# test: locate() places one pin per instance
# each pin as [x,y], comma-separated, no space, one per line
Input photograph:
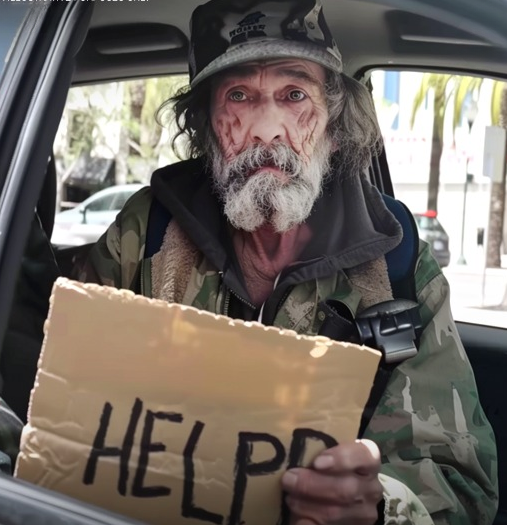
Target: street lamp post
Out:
[470,115]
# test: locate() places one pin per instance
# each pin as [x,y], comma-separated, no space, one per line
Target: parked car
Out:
[431,231]
[88,220]
[47,47]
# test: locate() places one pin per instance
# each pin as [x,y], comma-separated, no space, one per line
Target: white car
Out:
[89,220]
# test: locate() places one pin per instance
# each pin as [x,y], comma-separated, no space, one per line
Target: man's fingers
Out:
[361,457]
[341,490]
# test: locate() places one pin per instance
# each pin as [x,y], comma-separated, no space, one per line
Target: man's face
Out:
[270,149]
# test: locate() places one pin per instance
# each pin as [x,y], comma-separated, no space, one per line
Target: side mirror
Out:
[83,211]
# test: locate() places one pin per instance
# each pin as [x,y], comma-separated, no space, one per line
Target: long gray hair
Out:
[352,125]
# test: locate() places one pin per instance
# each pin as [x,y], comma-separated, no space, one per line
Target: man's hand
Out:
[342,487]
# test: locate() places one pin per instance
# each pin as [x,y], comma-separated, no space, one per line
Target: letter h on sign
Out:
[99,449]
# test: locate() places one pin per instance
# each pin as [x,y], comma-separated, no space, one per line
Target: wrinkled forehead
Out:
[303,71]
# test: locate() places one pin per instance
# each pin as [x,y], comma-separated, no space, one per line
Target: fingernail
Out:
[323,462]
[289,479]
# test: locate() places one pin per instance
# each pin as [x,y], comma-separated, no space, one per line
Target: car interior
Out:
[81,43]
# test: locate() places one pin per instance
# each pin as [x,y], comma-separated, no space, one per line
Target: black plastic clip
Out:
[393,327]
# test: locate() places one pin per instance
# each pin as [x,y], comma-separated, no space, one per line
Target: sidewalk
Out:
[478,294]
[474,268]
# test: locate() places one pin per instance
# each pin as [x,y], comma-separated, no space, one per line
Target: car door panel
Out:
[486,348]
[22,503]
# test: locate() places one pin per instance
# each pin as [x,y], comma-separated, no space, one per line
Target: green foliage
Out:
[145,134]
[436,84]
[466,87]
[81,130]
[158,90]
[119,120]
[497,119]
[82,126]
[462,88]
[443,87]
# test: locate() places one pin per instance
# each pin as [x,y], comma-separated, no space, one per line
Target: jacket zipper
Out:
[227,301]
[227,298]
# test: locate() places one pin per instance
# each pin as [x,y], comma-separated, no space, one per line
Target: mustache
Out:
[259,156]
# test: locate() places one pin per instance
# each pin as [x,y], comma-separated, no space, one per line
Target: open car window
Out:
[445,146]
[106,148]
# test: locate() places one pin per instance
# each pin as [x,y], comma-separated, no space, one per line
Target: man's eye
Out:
[237,96]
[296,95]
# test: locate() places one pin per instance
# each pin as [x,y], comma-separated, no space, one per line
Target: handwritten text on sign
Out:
[244,466]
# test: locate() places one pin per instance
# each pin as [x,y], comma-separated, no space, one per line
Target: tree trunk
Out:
[497,205]
[121,158]
[496,212]
[436,153]
[137,93]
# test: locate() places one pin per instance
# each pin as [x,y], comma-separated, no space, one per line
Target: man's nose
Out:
[268,124]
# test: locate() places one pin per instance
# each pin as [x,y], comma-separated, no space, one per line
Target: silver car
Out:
[89,220]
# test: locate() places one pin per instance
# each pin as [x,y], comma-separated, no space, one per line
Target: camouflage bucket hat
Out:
[226,33]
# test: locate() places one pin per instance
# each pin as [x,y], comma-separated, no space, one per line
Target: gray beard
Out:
[253,200]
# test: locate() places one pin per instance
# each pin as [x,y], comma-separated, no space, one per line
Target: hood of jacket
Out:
[349,221]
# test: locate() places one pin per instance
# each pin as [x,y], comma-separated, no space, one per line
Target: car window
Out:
[120,199]
[428,223]
[109,135]
[101,204]
[445,148]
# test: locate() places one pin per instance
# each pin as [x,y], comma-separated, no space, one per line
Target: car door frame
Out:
[35,83]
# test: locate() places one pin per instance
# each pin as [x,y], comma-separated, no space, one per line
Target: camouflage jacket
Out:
[438,450]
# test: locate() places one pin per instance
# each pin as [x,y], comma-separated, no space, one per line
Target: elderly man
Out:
[270,217]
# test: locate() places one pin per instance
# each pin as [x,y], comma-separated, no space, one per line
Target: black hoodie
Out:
[349,221]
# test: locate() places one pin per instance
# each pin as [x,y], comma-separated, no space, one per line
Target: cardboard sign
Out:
[173,415]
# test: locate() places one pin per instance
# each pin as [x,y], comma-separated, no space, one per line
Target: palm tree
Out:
[437,85]
[442,87]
